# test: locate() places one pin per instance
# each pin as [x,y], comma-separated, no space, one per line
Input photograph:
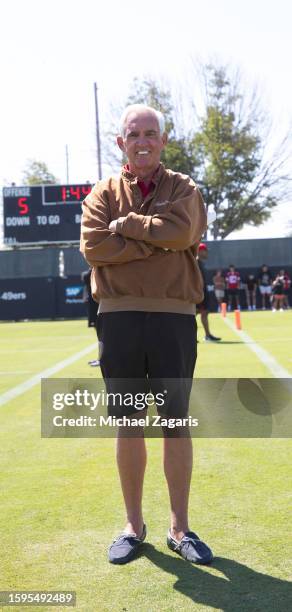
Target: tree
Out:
[231,168]
[226,151]
[37,173]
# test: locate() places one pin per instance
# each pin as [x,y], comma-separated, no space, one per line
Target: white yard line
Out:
[35,380]
[266,358]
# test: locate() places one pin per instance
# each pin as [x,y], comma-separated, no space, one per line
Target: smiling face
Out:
[142,143]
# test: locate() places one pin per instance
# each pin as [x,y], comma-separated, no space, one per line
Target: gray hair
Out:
[136,108]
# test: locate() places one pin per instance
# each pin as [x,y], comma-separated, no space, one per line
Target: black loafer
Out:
[125,546]
[191,548]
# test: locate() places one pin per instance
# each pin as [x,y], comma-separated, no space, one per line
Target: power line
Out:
[97,132]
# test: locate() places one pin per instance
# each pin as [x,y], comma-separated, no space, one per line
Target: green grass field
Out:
[61,502]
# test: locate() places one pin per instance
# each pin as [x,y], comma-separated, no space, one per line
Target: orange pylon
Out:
[223,309]
[237,319]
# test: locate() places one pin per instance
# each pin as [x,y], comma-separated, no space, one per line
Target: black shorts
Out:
[204,304]
[142,352]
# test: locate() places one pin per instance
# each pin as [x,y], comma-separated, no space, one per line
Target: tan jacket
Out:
[150,264]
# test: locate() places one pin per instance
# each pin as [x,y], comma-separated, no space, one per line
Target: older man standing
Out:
[139,233]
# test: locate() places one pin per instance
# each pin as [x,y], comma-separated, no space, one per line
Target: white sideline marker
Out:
[34,380]
[266,358]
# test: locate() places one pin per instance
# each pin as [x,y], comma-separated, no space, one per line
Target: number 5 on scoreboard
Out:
[23,206]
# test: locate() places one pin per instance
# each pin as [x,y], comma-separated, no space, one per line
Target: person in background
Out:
[203,307]
[250,291]
[278,292]
[232,280]
[265,285]
[287,285]
[92,307]
[219,288]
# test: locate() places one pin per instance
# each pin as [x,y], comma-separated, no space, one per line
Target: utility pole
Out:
[67,165]
[97,132]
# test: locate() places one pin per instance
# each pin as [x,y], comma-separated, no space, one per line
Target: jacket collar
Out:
[131,178]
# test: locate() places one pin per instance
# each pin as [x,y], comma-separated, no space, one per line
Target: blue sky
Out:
[52,52]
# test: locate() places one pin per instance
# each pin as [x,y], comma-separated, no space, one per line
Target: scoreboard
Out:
[43,213]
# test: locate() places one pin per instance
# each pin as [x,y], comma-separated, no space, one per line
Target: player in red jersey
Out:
[232,280]
[287,285]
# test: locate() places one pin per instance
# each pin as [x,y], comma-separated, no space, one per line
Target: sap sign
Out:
[74,294]
[41,298]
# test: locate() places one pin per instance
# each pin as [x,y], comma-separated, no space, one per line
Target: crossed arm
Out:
[135,236]
[99,245]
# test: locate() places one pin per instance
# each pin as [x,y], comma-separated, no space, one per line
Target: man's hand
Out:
[113,225]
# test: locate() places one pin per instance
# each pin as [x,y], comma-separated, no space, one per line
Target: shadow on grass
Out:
[230,342]
[225,342]
[239,589]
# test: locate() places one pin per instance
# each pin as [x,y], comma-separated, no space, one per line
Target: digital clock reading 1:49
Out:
[43,213]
